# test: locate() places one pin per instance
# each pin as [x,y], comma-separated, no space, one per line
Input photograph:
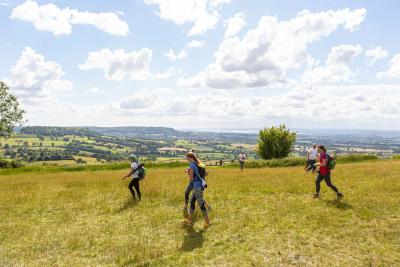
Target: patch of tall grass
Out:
[92,167]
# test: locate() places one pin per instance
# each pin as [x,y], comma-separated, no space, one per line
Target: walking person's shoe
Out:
[340,196]
[316,195]
[187,222]
[206,225]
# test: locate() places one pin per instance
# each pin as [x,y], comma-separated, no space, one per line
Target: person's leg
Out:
[202,203]
[307,165]
[318,181]
[136,185]
[328,182]
[192,208]
[130,186]
[189,188]
[313,167]
[241,165]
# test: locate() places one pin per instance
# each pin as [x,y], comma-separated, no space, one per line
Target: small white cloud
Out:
[376,54]
[203,14]
[94,91]
[33,75]
[166,74]
[119,65]
[173,56]
[137,102]
[59,21]
[393,72]
[337,66]
[234,25]
[195,44]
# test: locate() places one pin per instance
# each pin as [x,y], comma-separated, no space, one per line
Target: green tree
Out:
[10,112]
[275,142]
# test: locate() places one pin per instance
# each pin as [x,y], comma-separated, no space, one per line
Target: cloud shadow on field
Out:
[192,239]
[128,204]
[338,204]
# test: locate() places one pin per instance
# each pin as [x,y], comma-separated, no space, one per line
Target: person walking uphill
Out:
[312,158]
[197,195]
[138,172]
[242,159]
[324,173]
[203,173]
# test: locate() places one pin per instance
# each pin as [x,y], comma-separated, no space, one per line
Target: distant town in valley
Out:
[89,145]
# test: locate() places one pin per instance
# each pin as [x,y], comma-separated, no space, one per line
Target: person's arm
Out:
[323,164]
[129,174]
[191,173]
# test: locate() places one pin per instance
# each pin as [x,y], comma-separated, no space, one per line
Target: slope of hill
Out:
[261,217]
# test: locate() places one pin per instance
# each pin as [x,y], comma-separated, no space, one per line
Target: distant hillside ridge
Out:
[58,131]
[137,131]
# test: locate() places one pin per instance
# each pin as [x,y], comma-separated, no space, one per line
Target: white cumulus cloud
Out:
[173,56]
[266,53]
[203,14]
[234,25]
[393,71]
[34,75]
[376,54]
[337,66]
[119,65]
[59,21]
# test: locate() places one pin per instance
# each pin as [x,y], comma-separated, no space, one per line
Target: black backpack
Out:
[141,171]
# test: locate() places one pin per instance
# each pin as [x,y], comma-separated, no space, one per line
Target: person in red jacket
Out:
[324,173]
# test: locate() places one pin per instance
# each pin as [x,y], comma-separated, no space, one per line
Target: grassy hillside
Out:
[261,217]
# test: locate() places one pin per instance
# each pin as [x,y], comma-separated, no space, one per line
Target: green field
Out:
[261,217]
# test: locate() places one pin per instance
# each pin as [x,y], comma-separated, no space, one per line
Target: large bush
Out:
[275,142]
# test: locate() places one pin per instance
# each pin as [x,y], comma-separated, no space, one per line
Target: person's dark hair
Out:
[322,147]
[193,156]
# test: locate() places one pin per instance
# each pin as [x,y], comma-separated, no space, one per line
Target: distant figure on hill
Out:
[312,158]
[324,173]
[242,159]
[198,185]
[137,171]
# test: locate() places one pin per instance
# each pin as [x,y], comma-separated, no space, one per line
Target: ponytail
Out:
[193,156]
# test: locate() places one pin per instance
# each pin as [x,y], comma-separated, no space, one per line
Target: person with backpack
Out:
[242,159]
[203,173]
[312,159]
[138,172]
[198,185]
[325,164]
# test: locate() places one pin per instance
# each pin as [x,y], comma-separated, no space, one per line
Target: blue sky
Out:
[203,64]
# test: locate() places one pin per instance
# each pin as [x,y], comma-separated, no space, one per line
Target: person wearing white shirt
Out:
[135,178]
[312,158]
[242,159]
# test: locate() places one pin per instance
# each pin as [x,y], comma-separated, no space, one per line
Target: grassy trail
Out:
[261,217]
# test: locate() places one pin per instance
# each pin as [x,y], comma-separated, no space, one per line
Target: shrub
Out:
[275,142]
[5,163]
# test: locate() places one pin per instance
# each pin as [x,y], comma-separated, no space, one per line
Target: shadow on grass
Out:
[193,239]
[338,204]
[128,204]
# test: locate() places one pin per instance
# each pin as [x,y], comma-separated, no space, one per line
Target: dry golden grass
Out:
[261,217]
